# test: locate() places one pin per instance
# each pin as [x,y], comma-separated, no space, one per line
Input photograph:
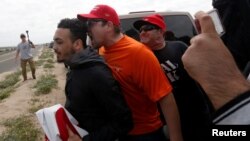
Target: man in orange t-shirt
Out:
[139,73]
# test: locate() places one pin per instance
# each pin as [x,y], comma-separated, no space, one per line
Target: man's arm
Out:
[210,63]
[171,115]
[31,44]
[17,53]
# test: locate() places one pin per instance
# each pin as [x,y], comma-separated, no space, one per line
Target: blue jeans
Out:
[157,135]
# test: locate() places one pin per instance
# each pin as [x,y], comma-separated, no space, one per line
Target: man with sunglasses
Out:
[191,101]
[93,96]
[24,49]
[142,81]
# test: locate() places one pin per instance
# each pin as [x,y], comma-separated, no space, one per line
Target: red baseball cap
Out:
[155,19]
[101,12]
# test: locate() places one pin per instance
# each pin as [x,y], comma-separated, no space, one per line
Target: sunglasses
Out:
[148,27]
[92,22]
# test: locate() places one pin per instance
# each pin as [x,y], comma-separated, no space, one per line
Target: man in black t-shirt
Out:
[194,106]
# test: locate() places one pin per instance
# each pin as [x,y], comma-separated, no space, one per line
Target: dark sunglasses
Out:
[148,27]
[92,22]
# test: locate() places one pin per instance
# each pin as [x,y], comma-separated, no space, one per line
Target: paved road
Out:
[7,61]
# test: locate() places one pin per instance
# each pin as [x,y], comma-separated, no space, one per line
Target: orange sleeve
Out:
[149,75]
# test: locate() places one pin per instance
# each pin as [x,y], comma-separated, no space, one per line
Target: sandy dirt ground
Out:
[22,99]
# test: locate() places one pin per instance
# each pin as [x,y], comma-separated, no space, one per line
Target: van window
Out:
[179,27]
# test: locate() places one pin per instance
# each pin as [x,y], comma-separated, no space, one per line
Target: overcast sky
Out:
[40,17]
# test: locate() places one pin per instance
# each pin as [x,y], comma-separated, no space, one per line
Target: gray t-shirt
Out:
[25,50]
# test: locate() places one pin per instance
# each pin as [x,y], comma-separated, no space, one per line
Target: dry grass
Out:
[20,129]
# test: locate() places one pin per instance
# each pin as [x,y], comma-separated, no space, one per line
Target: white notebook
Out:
[47,120]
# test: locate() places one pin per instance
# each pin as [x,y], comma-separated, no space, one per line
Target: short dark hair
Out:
[22,35]
[77,28]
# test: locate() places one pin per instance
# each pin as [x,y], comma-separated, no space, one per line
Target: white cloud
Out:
[41,17]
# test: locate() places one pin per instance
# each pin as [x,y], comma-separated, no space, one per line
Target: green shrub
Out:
[10,80]
[40,62]
[20,129]
[48,66]
[4,93]
[46,54]
[45,84]
[50,61]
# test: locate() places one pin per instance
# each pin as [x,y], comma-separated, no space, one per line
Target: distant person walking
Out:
[24,48]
